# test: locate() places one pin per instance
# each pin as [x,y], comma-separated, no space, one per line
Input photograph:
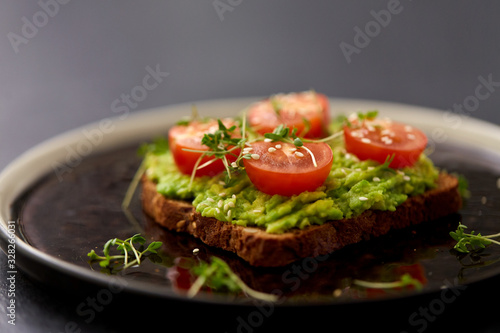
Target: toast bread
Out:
[260,248]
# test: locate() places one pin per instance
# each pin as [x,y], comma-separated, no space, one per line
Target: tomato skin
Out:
[312,106]
[181,277]
[378,139]
[282,172]
[189,136]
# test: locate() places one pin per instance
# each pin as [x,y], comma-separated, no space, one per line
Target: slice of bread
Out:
[260,248]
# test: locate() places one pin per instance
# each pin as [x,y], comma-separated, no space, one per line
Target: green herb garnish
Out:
[218,275]
[221,144]
[467,242]
[369,115]
[406,280]
[463,186]
[130,255]
[283,134]
[362,117]
[157,147]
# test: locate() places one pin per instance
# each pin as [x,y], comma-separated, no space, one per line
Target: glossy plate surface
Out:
[65,195]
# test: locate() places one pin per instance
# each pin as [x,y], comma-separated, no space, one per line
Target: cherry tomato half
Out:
[307,111]
[283,169]
[377,139]
[189,136]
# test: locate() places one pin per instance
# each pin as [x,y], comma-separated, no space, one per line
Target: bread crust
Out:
[260,248]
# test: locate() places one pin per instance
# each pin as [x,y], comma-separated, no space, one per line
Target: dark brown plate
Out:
[68,218]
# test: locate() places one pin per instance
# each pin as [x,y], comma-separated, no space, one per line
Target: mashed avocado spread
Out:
[352,187]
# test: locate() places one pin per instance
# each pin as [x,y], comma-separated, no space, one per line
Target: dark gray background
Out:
[82,58]
[90,52]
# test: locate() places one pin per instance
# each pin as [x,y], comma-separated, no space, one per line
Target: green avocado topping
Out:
[352,187]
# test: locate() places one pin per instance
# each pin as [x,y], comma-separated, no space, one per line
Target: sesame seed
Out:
[255,156]
[343,171]
[220,203]
[217,210]
[363,198]
[268,140]
[387,140]
[411,136]
[376,179]
[196,250]
[233,196]
[366,140]
[228,205]
[257,211]
[293,149]
[408,128]
[407,178]
[229,214]
[299,154]
[371,128]
[278,146]
[222,194]
[357,134]
[210,199]
[234,165]
[271,149]
[352,117]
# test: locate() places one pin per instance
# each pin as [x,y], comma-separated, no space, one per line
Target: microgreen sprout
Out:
[468,242]
[405,281]
[218,275]
[283,134]
[221,143]
[362,117]
[129,256]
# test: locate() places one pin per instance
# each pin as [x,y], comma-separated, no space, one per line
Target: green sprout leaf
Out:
[217,275]
[221,144]
[405,281]
[157,147]
[131,251]
[470,242]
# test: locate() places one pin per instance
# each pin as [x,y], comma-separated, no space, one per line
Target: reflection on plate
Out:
[63,215]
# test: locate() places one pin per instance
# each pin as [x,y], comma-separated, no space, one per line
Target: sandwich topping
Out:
[285,169]
[281,181]
[307,111]
[375,139]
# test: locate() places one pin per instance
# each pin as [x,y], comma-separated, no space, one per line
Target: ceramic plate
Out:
[65,195]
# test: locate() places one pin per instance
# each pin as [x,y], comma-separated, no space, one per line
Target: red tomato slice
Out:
[283,169]
[180,277]
[182,137]
[291,110]
[377,139]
